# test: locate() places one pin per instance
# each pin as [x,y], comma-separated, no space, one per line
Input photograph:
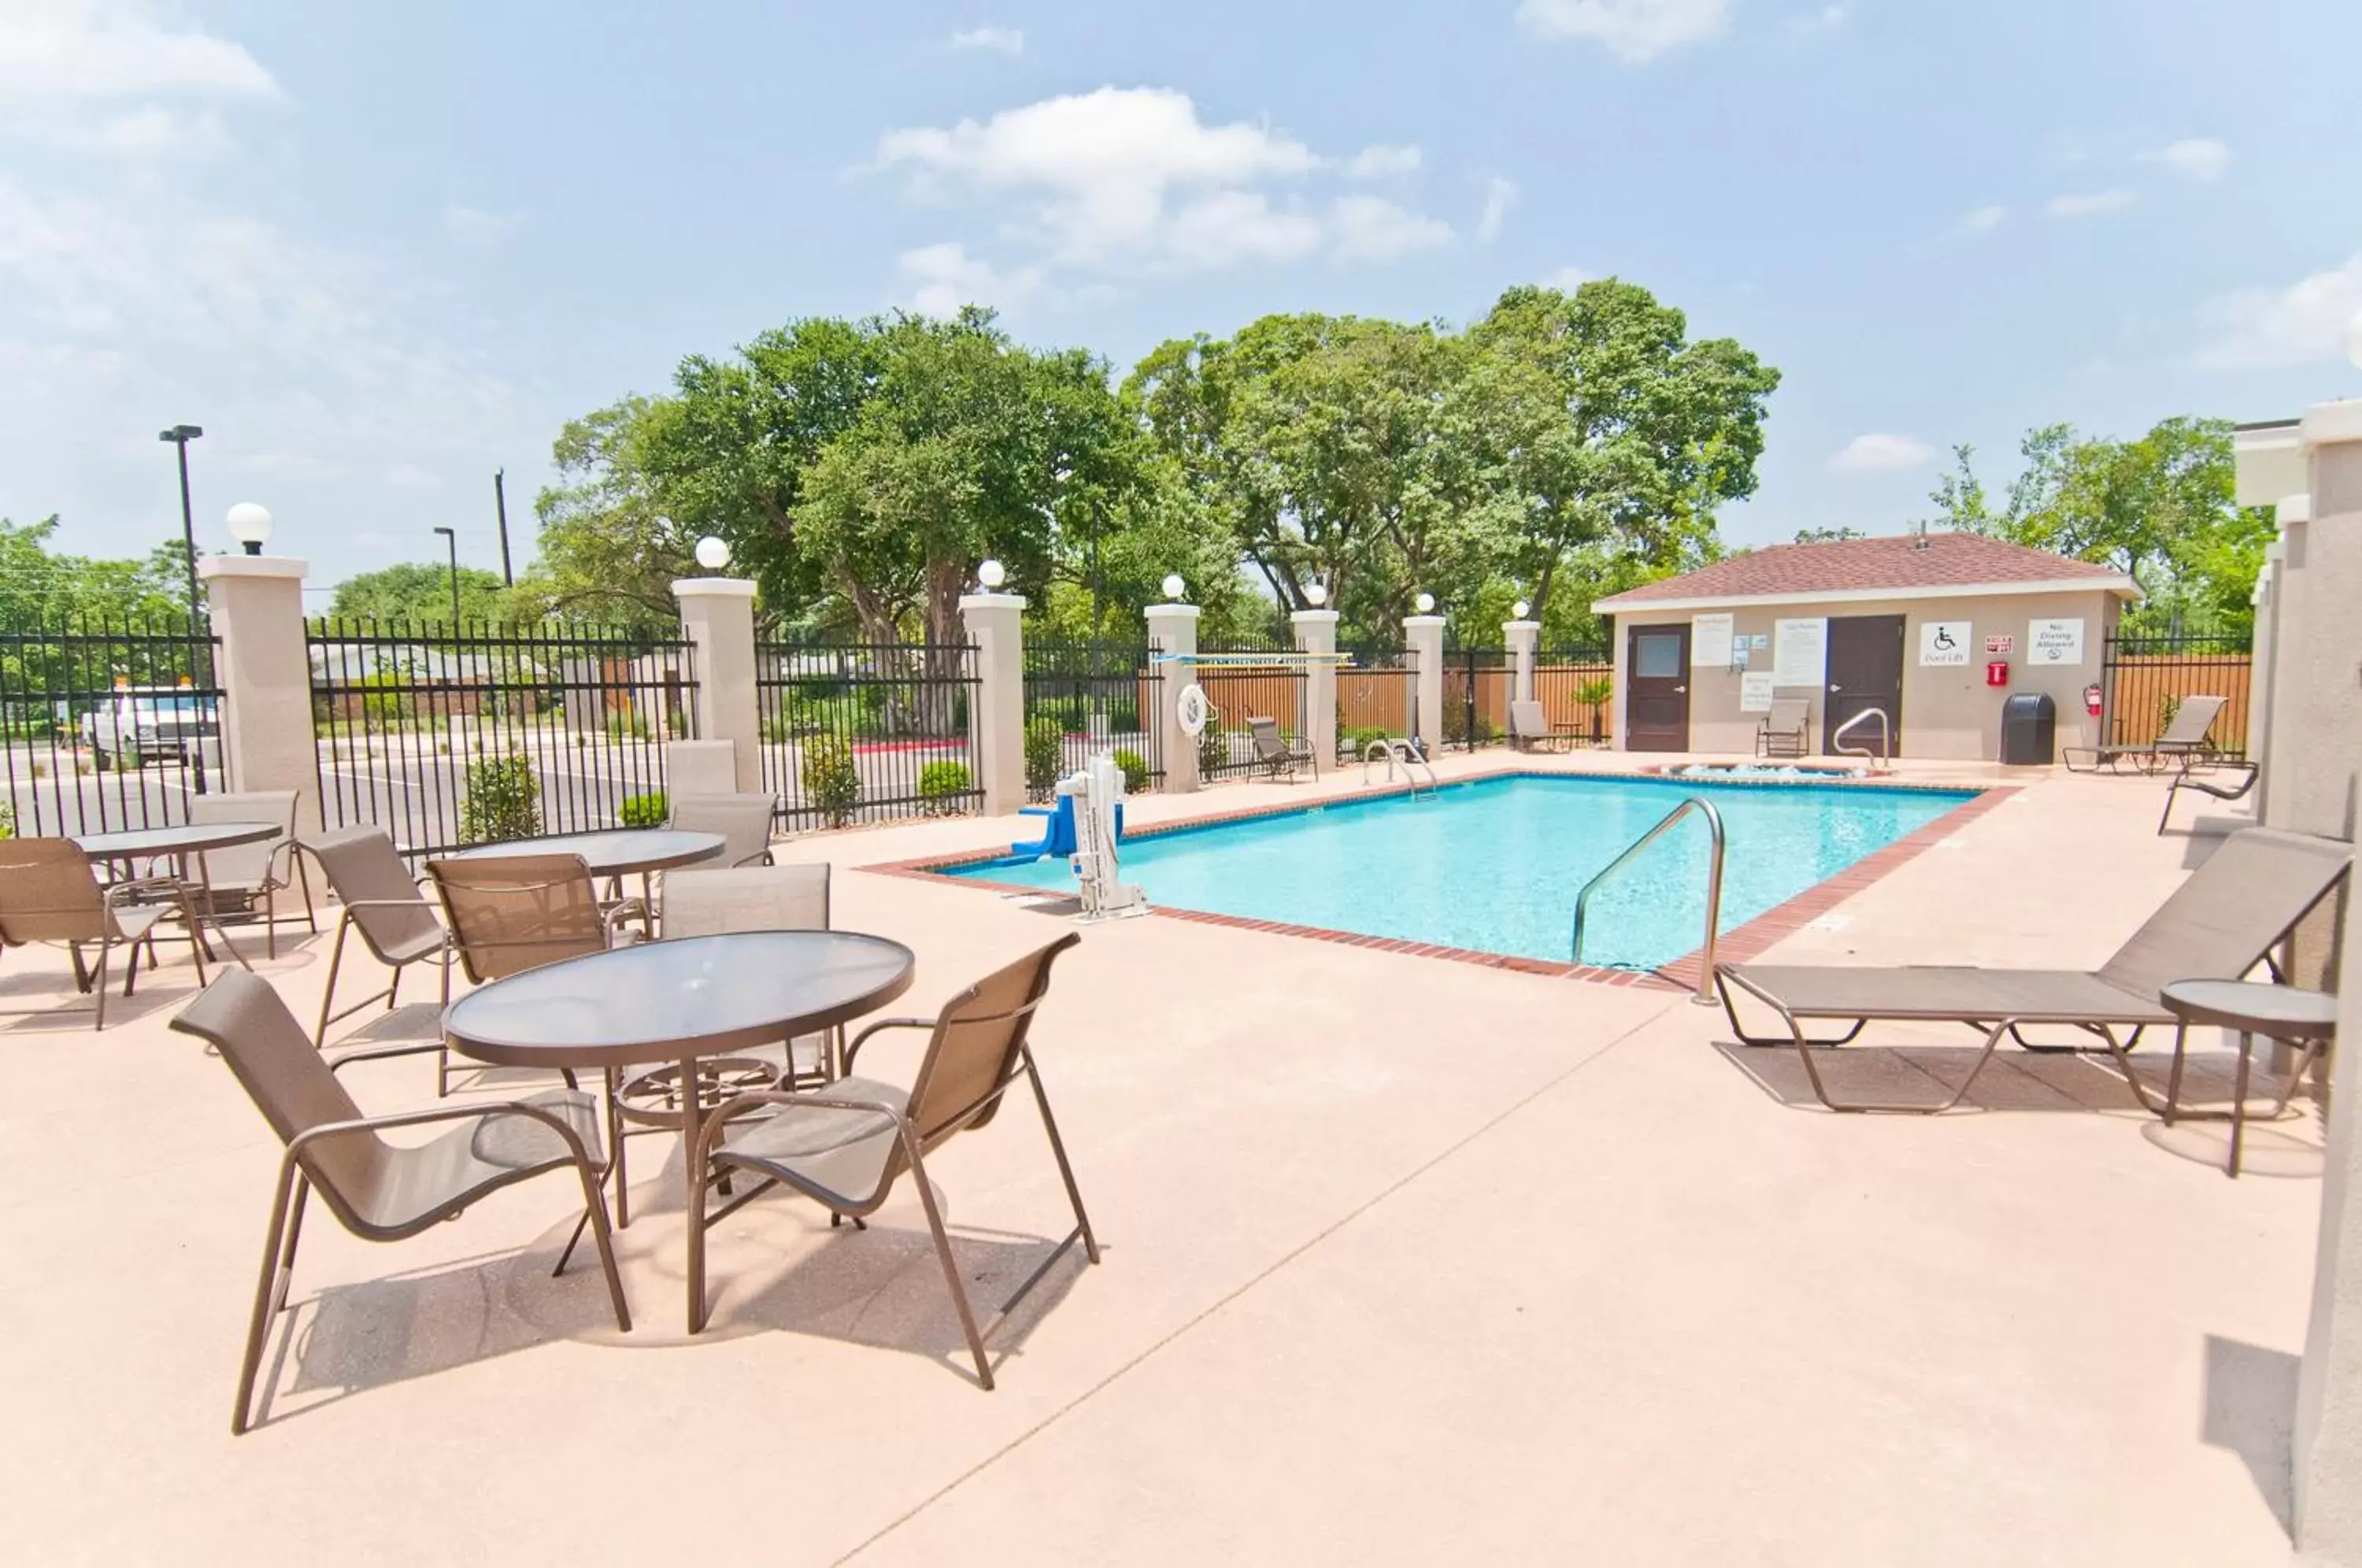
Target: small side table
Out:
[2304,1018]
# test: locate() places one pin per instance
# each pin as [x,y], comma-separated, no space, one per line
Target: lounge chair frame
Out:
[1276,755]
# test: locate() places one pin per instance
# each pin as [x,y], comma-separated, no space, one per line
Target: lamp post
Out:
[181,436]
[451,538]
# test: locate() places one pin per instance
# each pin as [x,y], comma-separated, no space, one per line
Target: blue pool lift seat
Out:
[1058,831]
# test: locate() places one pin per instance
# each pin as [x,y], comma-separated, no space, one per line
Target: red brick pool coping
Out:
[1748,941]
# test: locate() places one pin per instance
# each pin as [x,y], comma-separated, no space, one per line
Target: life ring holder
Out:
[1192,709]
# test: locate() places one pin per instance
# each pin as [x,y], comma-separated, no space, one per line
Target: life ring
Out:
[1192,709]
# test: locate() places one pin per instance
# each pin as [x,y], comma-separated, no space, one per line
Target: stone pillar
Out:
[1316,633]
[2259,668]
[1173,629]
[265,673]
[995,625]
[2290,581]
[1423,635]
[2327,1450]
[1523,639]
[717,615]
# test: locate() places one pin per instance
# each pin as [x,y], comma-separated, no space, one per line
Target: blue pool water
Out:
[1495,865]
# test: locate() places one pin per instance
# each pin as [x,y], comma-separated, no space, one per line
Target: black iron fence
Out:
[1241,686]
[867,732]
[447,737]
[105,725]
[1576,687]
[1084,697]
[2145,680]
[1477,685]
[1377,688]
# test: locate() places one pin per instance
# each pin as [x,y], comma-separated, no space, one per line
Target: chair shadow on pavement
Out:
[2085,1082]
[2251,1411]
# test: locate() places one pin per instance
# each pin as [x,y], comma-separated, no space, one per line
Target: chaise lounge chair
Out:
[1531,729]
[2219,924]
[1781,732]
[2184,738]
[1278,756]
[2182,780]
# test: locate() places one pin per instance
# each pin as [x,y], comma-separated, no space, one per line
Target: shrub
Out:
[1213,749]
[1044,750]
[1357,742]
[7,819]
[651,810]
[503,799]
[1594,691]
[831,783]
[941,784]
[1135,770]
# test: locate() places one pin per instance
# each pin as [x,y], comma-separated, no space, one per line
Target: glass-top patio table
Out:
[177,842]
[614,853]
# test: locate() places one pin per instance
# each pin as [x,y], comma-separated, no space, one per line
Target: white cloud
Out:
[1827,19]
[1566,280]
[1368,228]
[1880,452]
[945,276]
[2303,323]
[2088,203]
[1983,220]
[1380,161]
[119,48]
[1632,30]
[474,226]
[999,40]
[2199,158]
[1500,195]
[150,131]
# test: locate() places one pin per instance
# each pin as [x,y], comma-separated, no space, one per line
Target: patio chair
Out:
[845,1146]
[382,901]
[380,1191]
[1782,731]
[262,870]
[2182,780]
[2186,737]
[1531,729]
[48,892]
[701,768]
[1278,756]
[743,820]
[2219,924]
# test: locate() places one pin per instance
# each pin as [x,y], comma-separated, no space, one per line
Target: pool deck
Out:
[1406,1261]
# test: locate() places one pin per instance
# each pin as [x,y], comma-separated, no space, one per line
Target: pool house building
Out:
[1925,636]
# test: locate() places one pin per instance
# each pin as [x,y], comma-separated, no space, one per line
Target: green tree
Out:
[607,550]
[42,587]
[419,591]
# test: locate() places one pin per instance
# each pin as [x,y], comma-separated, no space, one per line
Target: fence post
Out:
[717,616]
[1423,635]
[995,625]
[265,673]
[1523,639]
[1173,629]
[1316,633]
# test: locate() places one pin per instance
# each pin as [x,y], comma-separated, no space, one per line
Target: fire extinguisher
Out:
[2091,701]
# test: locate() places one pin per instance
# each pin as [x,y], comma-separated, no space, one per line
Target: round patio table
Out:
[178,841]
[614,853]
[678,1001]
[2286,1013]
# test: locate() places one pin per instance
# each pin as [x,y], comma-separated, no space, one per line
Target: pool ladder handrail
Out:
[1704,994]
[1391,750]
[1886,737]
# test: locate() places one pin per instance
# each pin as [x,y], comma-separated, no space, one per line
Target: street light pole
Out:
[452,538]
[181,436]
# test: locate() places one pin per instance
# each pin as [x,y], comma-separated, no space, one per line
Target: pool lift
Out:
[1098,795]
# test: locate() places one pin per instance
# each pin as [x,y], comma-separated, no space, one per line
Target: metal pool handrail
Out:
[1705,997]
[1390,750]
[1886,736]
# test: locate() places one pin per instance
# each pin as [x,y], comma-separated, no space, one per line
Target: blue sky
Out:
[378,251]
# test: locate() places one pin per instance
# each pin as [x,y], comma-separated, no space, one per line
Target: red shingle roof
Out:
[1948,560]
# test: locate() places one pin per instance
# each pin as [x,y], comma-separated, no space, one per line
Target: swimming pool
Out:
[1495,864]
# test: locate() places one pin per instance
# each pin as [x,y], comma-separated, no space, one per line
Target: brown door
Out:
[1657,688]
[1865,672]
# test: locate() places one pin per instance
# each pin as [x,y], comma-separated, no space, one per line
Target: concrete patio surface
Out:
[1407,1261]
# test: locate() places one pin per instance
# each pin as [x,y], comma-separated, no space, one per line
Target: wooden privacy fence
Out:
[2145,680]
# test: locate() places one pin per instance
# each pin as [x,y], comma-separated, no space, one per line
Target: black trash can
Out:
[2029,730]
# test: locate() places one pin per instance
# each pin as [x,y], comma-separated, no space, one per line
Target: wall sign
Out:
[1710,641]
[1800,652]
[2054,642]
[1755,692]
[2000,644]
[1943,642]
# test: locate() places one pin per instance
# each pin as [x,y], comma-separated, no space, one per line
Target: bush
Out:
[7,819]
[1135,770]
[503,799]
[1357,742]
[941,784]
[1213,749]
[651,810]
[1044,751]
[831,783]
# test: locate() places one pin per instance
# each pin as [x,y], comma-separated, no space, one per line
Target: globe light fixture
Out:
[990,574]
[713,553]
[1315,594]
[1520,609]
[249,524]
[1174,587]
[1426,602]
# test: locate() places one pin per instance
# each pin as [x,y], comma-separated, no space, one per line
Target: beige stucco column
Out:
[2259,664]
[1423,635]
[1523,639]
[265,673]
[717,615]
[1316,633]
[1173,629]
[995,624]
[2290,582]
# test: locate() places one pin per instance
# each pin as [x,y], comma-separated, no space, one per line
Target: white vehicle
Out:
[148,723]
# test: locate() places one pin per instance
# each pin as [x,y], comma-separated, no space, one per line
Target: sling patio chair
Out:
[1782,731]
[845,1146]
[2222,921]
[2182,780]
[2185,737]
[1531,729]
[380,1191]
[743,820]
[1276,754]
[382,900]
[50,893]
[248,874]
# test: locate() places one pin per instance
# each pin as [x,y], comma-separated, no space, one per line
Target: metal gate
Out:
[2143,681]
[1084,697]
[106,725]
[1239,687]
